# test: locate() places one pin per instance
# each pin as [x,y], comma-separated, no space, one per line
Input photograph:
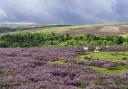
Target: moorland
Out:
[64,56]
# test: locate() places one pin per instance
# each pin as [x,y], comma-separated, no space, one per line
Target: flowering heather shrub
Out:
[106,64]
[29,68]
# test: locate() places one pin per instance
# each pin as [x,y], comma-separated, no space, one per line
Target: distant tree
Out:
[118,40]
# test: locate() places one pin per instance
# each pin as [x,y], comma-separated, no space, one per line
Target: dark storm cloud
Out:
[64,11]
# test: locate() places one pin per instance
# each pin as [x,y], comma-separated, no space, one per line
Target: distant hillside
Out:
[4,29]
[101,29]
[115,29]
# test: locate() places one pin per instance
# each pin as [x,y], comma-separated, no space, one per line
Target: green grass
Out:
[62,29]
[57,29]
[118,70]
[50,28]
[59,62]
[108,56]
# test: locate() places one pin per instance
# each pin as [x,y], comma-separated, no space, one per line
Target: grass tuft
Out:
[117,70]
[108,56]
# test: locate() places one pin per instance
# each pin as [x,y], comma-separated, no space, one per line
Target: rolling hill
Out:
[101,29]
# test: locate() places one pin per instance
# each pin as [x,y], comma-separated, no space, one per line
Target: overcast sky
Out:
[64,11]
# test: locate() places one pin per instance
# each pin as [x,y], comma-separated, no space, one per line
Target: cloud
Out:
[64,11]
[2,14]
[121,9]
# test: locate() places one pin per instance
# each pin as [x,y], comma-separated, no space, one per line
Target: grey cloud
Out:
[64,11]
[2,14]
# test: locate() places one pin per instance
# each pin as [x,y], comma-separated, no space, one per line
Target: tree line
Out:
[52,39]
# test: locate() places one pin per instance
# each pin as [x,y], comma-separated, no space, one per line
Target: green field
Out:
[107,56]
[45,29]
[38,29]
[117,70]
[115,57]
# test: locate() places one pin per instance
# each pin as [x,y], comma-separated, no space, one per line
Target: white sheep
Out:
[85,48]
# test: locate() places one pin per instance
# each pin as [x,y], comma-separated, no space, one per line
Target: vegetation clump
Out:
[65,40]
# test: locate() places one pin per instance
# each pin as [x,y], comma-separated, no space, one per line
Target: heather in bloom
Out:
[37,68]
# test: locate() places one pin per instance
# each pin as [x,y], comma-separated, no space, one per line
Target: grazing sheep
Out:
[97,48]
[85,48]
[107,46]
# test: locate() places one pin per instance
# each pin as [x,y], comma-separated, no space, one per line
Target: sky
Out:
[64,11]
